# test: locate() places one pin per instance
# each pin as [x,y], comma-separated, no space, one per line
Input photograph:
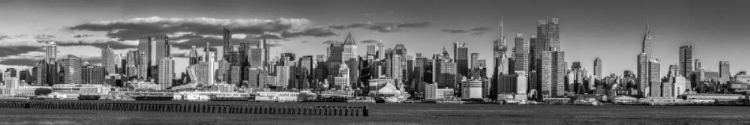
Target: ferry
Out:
[587,102]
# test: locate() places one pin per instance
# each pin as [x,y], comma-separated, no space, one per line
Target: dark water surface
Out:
[467,114]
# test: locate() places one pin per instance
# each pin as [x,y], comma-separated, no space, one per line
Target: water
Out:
[407,114]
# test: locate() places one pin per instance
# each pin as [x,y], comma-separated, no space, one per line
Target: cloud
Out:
[19,62]
[132,29]
[383,27]
[369,41]
[2,37]
[482,29]
[332,42]
[22,59]
[6,51]
[475,31]
[44,37]
[98,43]
[454,31]
[82,35]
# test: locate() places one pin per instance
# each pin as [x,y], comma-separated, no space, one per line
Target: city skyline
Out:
[416,28]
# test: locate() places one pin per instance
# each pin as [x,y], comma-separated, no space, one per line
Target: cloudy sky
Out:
[609,29]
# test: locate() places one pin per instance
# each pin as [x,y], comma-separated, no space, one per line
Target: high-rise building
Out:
[193,56]
[506,84]
[372,50]
[48,73]
[10,78]
[93,74]
[559,71]
[654,78]
[108,60]
[499,59]
[227,43]
[698,65]
[50,52]
[553,71]
[545,74]
[162,47]
[460,53]
[256,55]
[350,49]
[643,73]
[724,73]
[553,36]
[235,76]
[521,54]
[474,60]
[210,59]
[305,69]
[444,71]
[598,67]
[381,51]
[166,72]
[341,81]
[400,50]
[686,60]
[349,56]
[646,44]
[72,69]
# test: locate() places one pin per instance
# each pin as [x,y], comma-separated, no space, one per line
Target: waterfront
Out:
[405,114]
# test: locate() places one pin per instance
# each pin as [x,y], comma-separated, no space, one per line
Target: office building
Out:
[72,69]
[460,55]
[471,89]
[521,54]
[724,73]
[93,74]
[598,67]
[108,60]
[166,72]
[686,60]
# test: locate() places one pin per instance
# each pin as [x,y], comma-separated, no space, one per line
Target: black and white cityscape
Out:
[374,62]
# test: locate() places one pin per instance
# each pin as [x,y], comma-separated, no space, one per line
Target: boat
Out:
[587,102]
[89,97]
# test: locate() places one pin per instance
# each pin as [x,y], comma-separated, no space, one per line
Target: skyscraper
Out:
[48,73]
[381,51]
[72,69]
[108,60]
[521,54]
[349,56]
[545,74]
[553,36]
[166,72]
[372,50]
[474,60]
[350,48]
[598,67]
[50,52]
[686,60]
[654,77]
[162,47]
[193,56]
[210,55]
[93,74]
[643,73]
[499,59]
[226,37]
[646,44]
[460,54]
[724,73]
[558,73]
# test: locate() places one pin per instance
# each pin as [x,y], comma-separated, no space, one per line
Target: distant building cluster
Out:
[535,69]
